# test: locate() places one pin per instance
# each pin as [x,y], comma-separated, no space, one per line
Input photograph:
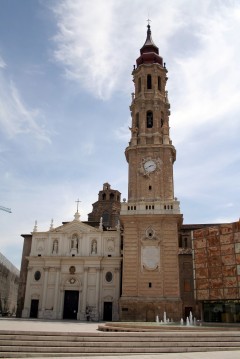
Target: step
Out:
[156,348]
[19,344]
[90,354]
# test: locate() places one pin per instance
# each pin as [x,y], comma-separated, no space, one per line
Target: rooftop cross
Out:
[78,203]
[148,20]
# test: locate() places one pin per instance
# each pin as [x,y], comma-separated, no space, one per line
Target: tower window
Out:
[149,285]
[185,242]
[159,83]
[137,120]
[139,84]
[111,196]
[149,82]
[149,119]
[150,188]
[162,119]
[104,196]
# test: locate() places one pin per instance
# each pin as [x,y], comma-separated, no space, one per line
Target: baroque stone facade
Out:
[73,272]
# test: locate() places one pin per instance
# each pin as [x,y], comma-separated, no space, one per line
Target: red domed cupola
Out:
[149,52]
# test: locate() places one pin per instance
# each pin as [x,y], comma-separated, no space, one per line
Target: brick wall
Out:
[217,262]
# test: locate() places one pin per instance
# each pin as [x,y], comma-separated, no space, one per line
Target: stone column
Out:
[60,312]
[27,299]
[56,292]
[45,283]
[84,294]
[79,313]
[97,292]
[117,294]
[100,299]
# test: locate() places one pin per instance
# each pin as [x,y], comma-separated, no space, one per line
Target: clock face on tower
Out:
[150,166]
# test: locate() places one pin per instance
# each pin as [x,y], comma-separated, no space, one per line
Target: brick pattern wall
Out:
[217,262]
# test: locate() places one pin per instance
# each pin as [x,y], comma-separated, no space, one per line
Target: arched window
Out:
[149,82]
[137,120]
[159,83]
[104,196]
[139,84]
[111,196]
[149,119]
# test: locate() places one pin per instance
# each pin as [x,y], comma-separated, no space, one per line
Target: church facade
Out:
[73,272]
[134,260]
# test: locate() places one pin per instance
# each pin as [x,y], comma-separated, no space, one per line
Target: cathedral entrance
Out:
[70,309]
[107,311]
[34,308]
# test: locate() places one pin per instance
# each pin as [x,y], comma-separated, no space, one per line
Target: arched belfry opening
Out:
[149,82]
[149,119]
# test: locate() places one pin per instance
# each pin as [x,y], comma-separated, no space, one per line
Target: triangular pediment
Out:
[77,226]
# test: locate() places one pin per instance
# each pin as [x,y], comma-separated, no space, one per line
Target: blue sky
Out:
[65,91]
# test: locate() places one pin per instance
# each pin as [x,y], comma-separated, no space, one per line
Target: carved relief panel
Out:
[150,250]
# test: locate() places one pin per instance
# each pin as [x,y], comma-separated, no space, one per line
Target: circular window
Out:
[109,276]
[37,275]
[72,270]
[150,233]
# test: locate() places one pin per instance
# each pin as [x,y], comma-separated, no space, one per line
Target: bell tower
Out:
[151,216]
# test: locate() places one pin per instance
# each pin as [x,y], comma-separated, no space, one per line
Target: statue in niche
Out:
[74,243]
[55,247]
[94,247]
[110,245]
[40,245]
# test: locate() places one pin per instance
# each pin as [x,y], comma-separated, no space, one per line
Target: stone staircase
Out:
[27,344]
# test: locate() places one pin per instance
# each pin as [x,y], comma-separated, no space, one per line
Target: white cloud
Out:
[15,117]
[206,81]
[97,42]
[84,48]
[87,148]
[2,63]
[123,132]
